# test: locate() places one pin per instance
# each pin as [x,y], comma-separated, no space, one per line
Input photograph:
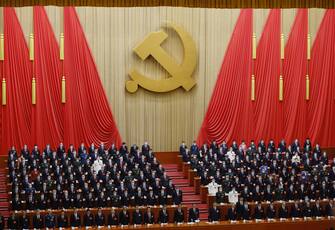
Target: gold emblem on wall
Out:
[180,74]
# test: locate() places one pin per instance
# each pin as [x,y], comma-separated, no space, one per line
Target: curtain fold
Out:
[321,108]
[228,113]
[267,107]
[47,114]
[88,117]
[16,114]
[294,72]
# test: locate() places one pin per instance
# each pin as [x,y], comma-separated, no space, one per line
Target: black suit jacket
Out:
[232,215]
[149,219]
[163,217]
[38,222]
[124,218]
[178,216]
[193,215]
[88,220]
[137,217]
[100,220]
[113,220]
[214,215]
[75,220]
[63,221]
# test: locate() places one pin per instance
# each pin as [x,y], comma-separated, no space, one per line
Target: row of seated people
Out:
[243,210]
[261,147]
[102,217]
[98,177]
[263,176]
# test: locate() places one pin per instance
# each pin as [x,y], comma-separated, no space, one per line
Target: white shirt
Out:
[97,165]
[213,188]
[231,155]
[233,196]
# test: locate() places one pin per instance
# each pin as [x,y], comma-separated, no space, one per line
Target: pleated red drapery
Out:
[47,115]
[267,108]
[321,108]
[88,117]
[294,117]
[294,71]
[229,113]
[16,114]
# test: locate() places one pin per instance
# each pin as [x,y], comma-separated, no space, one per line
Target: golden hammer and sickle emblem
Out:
[181,75]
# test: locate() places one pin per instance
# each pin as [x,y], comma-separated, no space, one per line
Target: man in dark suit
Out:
[50,220]
[137,216]
[62,221]
[232,215]
[124,216]
[75,219]
[193,214]
[307,210]
[246,212]
[13,222]
[316,210]
[179,215]
[259,213]
[329,209]
[296,210]
[112,218]
[214,214]
[99,218]
[88,218]
[163,217]
[271,212]
[283,212]
[38,220]
[24,221]
[145,148]
[149,217]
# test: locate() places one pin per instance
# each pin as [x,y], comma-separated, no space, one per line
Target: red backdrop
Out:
[230,116]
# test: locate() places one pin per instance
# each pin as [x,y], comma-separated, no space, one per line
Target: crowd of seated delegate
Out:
[113,218]
[88,178]
[264,173]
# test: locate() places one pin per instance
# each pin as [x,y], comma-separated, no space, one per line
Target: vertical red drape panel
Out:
[228,113]
[47,113]
[294,72]
[88,117]
[267,108]
[321,108]
[16,124]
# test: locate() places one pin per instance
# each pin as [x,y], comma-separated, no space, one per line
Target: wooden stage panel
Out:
[325,224]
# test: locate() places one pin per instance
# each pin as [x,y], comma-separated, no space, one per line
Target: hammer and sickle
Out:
[181,75]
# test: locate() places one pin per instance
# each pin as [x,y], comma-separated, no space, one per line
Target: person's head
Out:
[214,205]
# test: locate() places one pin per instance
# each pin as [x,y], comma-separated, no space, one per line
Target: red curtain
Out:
[267,108]
[16,114]
[321,108]
[295,70]
[88,117]
[47,113]
[228,114]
